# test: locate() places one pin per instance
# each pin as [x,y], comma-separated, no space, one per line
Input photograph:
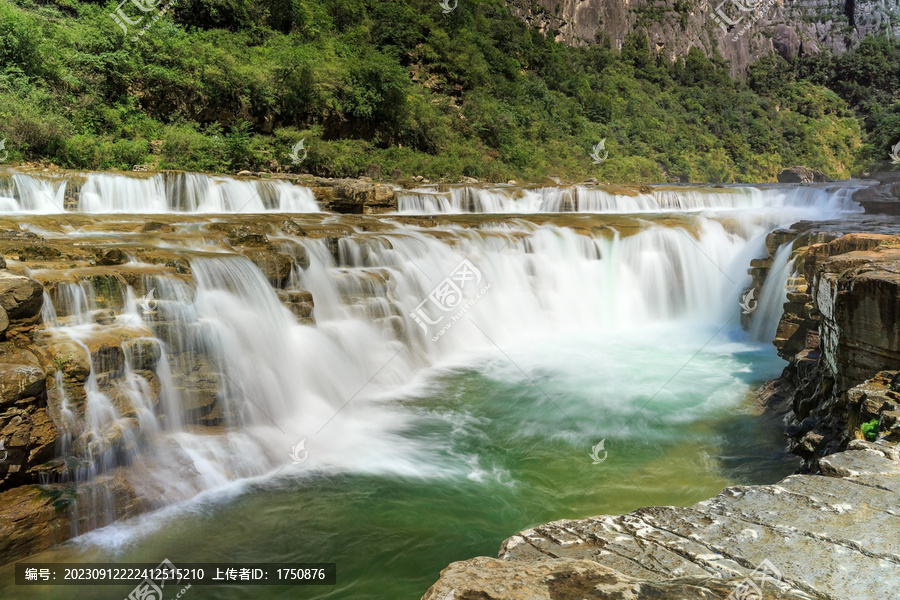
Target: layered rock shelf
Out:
[831,537]
[838,331]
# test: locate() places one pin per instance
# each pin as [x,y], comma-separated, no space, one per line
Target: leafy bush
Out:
[82,152]
[128,153]
[19,39]
[870,430]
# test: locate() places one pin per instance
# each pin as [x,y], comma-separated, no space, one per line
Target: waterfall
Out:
[614,200]
[23,193]
[764,322]
[218,375]
[101,193]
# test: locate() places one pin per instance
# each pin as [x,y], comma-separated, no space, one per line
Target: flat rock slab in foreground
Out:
[834,537]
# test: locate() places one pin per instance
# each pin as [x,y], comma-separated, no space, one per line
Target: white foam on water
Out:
[551,299]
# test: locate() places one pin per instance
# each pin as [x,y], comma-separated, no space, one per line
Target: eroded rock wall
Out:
[839,330]
[674,27]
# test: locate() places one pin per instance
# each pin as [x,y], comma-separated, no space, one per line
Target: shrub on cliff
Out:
[870,430]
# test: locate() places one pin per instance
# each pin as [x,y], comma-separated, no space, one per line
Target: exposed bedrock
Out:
[807,536]
[750,31]
[838,331]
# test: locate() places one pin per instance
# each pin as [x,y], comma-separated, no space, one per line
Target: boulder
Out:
[104,316]
[21,297]
[356,196]
[373,171]
[300,303]
[883,198]
[802,175]
[241,235]
[142,354]
[20,379]
[275,266]
[113,256]
[71,358]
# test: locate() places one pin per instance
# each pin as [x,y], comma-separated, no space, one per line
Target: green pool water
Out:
[498,445]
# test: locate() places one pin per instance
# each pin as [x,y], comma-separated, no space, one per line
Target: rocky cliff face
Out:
[675,26]
[838,332]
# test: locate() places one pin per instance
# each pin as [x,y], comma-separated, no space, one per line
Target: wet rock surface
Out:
[834,535]
[20,297]
[883,197]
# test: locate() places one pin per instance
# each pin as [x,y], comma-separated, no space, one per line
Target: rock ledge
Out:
[831,536]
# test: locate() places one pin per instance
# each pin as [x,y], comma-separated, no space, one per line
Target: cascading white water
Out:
[765,318]
[386,314]
[598,200]
[23,193]
[156,194]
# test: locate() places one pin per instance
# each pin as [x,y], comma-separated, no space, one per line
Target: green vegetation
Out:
[868,79]
[60,497]
[225,85]
[870,430]
[61,361]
